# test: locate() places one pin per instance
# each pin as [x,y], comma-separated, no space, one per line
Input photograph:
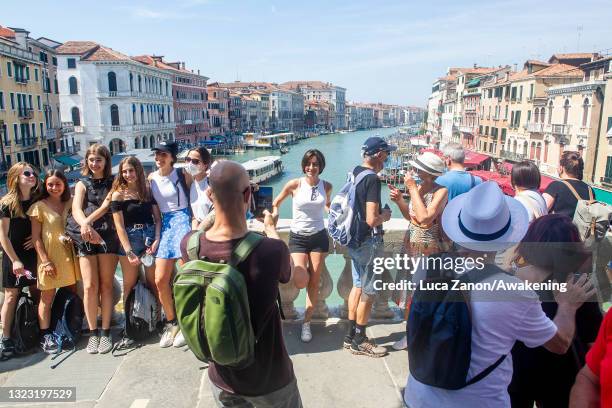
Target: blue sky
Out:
[381,51]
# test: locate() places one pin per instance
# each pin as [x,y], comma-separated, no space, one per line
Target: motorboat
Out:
[263,168]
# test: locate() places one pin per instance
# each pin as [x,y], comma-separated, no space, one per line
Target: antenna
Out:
[579,32]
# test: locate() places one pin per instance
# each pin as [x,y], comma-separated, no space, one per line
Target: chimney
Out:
[158,58]
[475,65]
[198,72]
[183,65]
[515,67]
[21,37]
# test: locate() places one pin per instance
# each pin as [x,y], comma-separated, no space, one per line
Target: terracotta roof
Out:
[306,84]
[248,85]
[6,32]
[477,70]
[76,47]
[575,55]
[536,62]
[105,54]
[159,63]
[559,70]
[451,77]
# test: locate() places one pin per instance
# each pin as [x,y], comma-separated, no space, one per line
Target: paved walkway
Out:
[328,376]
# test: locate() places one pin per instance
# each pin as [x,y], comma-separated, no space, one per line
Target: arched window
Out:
[165,136]
[566,107]
[550,109]
[112,82]
[538,151]
[536,112]
[532,150]
[72,84]
[114,111]
[170,136]
[542,114]
[139,83]
[159,138]
[585,112]
[133,114]
[141,113]
[131,82]
[166,87]
[136,143]
[169,114]
[151,141]
[76,116]
[525,148]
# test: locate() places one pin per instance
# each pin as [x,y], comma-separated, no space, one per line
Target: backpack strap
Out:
[362,175]
[574,192]
[245,247]
[486,371]
[193,245]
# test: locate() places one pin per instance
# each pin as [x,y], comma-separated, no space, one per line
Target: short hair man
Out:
[365,245]
[270,380]
[456,179]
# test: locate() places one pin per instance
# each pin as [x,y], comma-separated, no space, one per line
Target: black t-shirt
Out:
[134,211]
[264,268]
[539,373]
[565,200]
[368,191]
[20,229]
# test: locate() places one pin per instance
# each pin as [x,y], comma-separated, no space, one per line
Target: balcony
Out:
[67,127]
[152,127]
[21,80]
[558,130]
[25,113]
[467,129]
[535,127]
[517,157]
[51,134]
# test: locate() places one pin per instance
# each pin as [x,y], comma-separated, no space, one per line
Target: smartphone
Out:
[263,201]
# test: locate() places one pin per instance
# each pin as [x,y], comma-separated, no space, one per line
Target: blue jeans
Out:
[363,263]
[137,237]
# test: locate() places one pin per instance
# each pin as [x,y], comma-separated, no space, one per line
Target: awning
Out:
[473,82]
[473,159]
[504,180]
[67,160]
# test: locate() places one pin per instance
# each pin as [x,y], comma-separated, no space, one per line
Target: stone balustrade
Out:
[394,235]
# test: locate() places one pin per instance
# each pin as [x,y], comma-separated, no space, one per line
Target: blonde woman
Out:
[57,266]
[19,260]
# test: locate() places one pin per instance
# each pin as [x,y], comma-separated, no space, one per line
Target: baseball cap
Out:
[376,144]
[165,146]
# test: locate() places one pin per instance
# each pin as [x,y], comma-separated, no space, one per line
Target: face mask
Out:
[192,169]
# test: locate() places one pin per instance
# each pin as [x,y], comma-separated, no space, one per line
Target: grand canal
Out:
[341,151]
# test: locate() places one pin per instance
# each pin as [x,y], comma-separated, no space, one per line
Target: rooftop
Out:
[91,51]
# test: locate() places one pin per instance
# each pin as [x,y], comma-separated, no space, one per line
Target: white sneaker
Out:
[401,344]
[306,333]
[179,340]
[170,332]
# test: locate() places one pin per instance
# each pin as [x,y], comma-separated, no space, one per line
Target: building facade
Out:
[190,99]
[218,109]
[323,91]
[22,119]
[113,99]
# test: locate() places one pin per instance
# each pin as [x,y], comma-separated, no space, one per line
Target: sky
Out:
[380,51]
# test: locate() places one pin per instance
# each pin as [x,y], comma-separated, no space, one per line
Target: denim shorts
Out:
[363,263]
[137,236]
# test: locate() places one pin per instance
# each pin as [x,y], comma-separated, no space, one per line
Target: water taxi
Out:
[262,169]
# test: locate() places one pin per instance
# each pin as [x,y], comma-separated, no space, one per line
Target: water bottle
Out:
[147,259]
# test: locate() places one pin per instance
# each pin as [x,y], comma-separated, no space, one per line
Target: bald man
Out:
[269,381]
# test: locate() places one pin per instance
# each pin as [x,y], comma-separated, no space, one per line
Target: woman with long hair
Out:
[197,163]
[525,178]
[99,246]
[308,240]
[552,251]
[170,189]
[137,220]
[57,266]
[19,260]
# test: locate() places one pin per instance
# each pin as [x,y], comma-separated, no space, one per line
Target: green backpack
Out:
[212,306]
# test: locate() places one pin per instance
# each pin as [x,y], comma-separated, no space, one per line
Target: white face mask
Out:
[193,169]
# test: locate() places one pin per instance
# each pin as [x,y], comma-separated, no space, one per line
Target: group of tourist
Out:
[53,240]
[537,350]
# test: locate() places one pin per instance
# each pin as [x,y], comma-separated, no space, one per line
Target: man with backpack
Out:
[459,340]
[365,244]
[264,375]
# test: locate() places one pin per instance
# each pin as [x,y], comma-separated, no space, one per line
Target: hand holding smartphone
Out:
[263,198]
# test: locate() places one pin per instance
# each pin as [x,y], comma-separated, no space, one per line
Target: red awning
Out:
[473,159]
[432,150]
[504,180]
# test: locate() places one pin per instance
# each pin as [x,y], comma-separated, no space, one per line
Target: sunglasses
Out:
[315,193]
[194,161]
[28,173]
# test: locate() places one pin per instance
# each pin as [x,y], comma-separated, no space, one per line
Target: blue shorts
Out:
[363,263]
[137,236]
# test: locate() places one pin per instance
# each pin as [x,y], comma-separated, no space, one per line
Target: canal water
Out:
[342,153]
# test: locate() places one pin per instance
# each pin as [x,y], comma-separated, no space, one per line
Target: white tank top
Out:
[308,205]
[168,192]
[200,203]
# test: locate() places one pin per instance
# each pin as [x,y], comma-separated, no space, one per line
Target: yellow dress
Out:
[62,255]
